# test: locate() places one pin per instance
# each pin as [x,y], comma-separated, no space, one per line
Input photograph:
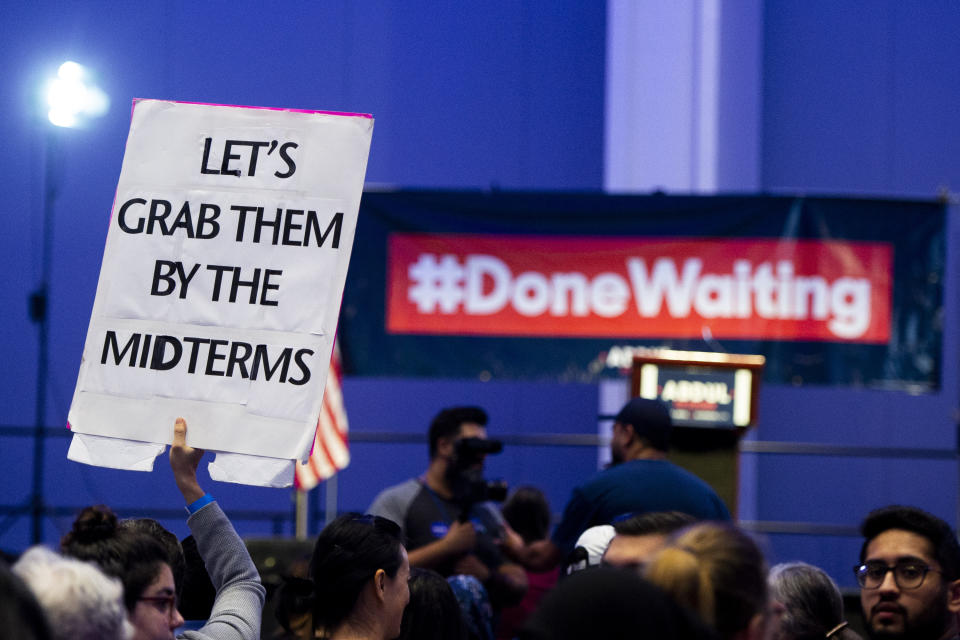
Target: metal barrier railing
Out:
[278,518]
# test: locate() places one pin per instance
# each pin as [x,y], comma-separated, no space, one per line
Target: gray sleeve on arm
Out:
[238,607]
[394,502]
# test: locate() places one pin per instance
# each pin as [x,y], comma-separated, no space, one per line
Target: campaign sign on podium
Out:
[222,277]
[712,399]
[709,390]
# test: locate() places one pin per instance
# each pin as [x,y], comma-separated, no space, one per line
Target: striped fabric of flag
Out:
[330,451]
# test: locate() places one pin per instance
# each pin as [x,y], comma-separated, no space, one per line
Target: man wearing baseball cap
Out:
[640,480]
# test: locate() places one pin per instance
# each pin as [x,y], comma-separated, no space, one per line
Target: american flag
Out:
[330,452]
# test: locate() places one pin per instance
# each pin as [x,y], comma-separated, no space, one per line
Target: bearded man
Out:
[908,574]
[640,480]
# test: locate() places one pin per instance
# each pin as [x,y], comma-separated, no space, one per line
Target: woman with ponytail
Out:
[360,571]
[719,572]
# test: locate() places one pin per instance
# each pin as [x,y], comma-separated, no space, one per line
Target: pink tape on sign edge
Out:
[235,106]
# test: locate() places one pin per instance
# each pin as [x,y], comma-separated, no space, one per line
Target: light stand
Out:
[39,313]
[71,99]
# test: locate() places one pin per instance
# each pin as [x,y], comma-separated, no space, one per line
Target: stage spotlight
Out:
[73,98]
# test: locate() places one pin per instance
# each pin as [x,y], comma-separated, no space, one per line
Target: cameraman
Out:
[449,523]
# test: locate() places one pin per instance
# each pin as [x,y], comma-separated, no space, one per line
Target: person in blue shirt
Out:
[640,480]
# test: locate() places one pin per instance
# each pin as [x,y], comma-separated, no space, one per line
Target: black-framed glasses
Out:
[167,604]
[907,575]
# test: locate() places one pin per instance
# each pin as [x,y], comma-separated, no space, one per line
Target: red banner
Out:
[499,285]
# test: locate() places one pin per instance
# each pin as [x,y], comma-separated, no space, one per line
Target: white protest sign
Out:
[222,277]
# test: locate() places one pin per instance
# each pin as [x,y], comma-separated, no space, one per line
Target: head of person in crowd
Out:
[454,423]
[195,591]
[433,612]
[21,615]
[641,430]
[79,600]
[613,604]
[639,538]
[447,428]
[908,574]
[138,560]
[175,555]
[527,512]
[807,604]
[359,570]
[589,548]
[293,607]
[458,450]
[719,572]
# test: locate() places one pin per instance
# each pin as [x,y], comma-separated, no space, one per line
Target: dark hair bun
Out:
[94,524]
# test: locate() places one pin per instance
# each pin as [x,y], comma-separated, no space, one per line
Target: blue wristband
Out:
[199,503]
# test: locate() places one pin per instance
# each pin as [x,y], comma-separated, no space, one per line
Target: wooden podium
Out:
[712,398]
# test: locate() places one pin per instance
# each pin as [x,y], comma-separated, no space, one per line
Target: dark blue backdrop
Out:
[467,94]
[857,98]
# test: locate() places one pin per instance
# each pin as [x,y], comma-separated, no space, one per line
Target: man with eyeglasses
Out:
[908,575]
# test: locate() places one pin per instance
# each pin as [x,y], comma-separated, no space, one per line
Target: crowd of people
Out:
[643,550]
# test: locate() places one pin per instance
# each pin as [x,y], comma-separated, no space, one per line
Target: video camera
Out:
[469,485]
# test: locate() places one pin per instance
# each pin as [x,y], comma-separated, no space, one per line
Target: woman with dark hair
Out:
[528,513]
[142,563]
[360,571]
[169,542]
[139,561]
[433,612]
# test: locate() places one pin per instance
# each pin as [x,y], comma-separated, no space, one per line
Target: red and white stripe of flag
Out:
[330,451]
